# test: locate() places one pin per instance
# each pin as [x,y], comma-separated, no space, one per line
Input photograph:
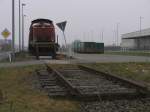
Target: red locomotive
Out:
[42,40]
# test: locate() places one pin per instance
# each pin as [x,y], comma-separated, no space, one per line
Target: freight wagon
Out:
[42,41]
[89,47]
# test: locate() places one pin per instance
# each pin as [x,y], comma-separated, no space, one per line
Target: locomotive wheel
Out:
[37,52]
[54,55]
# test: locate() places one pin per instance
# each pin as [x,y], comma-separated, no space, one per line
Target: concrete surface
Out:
[35,62]
[4,55]
[110,58]
[82,58]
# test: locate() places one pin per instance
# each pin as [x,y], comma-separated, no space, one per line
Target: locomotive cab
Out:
[42,38]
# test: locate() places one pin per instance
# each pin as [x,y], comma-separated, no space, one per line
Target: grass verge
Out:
[134,71]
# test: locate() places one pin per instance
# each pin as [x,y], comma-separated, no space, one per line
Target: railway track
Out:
[85,84]
[50,84]
[97,91]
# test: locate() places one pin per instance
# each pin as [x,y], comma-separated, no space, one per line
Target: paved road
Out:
[82,58]
[35,62]
[4,55]
[110,58]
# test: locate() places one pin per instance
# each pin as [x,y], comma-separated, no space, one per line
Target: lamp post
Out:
[102,35]
[19,26]
[23,26]
[140,24]
[141,33]
[13,29]
[117,31]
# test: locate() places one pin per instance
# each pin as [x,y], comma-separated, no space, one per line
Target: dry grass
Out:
[61,66]
[21,97]
[134,71]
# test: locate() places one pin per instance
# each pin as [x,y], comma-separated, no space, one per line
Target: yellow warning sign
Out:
[5,33]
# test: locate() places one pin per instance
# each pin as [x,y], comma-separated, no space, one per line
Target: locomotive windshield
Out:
[41,25]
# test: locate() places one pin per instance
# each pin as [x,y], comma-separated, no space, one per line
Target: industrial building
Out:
[139,40]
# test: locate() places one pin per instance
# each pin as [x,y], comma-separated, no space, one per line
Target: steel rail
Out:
[94,96]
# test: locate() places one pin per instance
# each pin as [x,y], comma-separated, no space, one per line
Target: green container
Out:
[89,47]
[99,47]
[76,45]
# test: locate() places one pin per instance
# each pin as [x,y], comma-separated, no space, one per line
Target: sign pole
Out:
[62,26]
[19,26]
[65,42]
[23,26]
[13,29]
[65,38]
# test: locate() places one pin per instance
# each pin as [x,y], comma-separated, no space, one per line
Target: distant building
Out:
[139,40]
[112,48]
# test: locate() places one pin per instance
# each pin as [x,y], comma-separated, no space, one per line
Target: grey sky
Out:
[86,18]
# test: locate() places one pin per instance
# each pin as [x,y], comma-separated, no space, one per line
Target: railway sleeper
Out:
[92,83]
[91,91]
[49,85]
[55,90]
[104,88]
[56,87]
[62,94]
[47,81]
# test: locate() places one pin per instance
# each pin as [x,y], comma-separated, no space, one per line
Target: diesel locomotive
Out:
[42,39]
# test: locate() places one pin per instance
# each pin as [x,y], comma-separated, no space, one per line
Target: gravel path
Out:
[138,105]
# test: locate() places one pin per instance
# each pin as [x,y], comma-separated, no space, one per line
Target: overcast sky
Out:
[86,18]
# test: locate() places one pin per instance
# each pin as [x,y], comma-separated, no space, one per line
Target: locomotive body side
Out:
[42,38]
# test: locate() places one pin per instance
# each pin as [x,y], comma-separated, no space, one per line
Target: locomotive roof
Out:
[41,20]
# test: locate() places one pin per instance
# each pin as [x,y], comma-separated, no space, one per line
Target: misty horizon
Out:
[86,20]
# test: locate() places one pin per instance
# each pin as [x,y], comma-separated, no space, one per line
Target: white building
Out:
[139,40]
